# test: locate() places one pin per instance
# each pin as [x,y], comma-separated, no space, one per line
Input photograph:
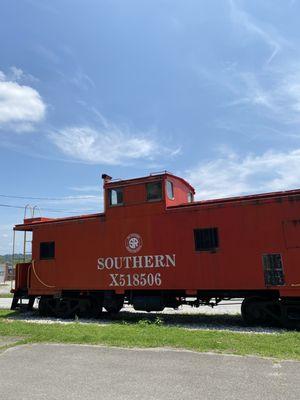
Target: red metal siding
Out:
[247,228]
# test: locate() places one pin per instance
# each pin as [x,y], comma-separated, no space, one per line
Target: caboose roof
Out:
[32,222]
[149,178]
[292,195]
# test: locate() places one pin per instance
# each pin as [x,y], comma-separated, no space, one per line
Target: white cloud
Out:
[278,99]
[253,92]
[267,34]
[91,188]
[82,202]
[232,175]
[17,73]
[20,106]
[109,144]
[82,80]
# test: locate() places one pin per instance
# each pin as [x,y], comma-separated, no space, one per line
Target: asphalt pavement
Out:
[54,372]
[5,303]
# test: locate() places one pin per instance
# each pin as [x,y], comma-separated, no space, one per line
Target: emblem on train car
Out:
[133,243]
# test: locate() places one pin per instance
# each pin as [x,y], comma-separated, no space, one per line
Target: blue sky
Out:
[207,89]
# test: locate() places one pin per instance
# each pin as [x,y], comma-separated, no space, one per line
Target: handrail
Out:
[37,277]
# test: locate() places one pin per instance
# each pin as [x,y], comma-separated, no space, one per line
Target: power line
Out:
[7,205]
[48,198]
[49,209]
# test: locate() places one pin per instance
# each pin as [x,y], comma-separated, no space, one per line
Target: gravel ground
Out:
[226,317]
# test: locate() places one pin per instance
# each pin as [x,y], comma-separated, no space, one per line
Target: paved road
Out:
[5,303]
[54,372]
[5,287]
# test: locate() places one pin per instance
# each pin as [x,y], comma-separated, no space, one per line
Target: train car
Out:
[155,247]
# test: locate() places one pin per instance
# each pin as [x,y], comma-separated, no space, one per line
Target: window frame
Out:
[274,274]
[161,191]
[214,237]
[110,197]
[172,188]
[190,197]
[52,252]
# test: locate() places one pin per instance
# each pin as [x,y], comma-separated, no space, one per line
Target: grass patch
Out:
[6,295]
[146,334]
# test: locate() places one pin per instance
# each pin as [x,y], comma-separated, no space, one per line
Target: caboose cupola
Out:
[159,190]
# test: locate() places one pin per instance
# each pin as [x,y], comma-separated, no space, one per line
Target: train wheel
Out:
[95,309]
[66,308]
[290,315]
[44,308]
[90,308]
[113,304]
[253,311]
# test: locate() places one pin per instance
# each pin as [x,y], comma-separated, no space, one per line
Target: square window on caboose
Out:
[206,239]
[154,191]
[47,250]
[116,197]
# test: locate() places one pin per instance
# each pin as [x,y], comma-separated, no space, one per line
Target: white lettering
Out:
[159,261]
[137,262]
[114,280]
[171,259]
[101,264]
[116,262]
[148,261]
[127,259]
[136,280]
[109,263]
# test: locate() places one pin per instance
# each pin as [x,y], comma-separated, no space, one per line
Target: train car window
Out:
[206,239]
[154,191]
[47,250]
[170,190]
[190,197]
[115,197]
[273,269]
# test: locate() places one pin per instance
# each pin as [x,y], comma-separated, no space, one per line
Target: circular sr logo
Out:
[133,243]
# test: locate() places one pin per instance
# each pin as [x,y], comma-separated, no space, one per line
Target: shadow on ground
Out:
[188,321]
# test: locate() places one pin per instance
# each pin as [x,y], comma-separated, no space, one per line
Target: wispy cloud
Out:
[87,189]
[21,106]
[280,98]
[47,54]
[265,33]
[252,92]
[275,87]
[108,144]
[82,80]
[232,174]
[82,201]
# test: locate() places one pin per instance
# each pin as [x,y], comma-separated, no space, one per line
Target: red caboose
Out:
[155,247]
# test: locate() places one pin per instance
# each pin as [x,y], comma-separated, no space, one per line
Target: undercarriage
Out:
[256,309]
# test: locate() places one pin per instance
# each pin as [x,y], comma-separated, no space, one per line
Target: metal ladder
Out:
[32,210]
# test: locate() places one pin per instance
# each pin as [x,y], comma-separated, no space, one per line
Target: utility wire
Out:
[48,198]
[50,209]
